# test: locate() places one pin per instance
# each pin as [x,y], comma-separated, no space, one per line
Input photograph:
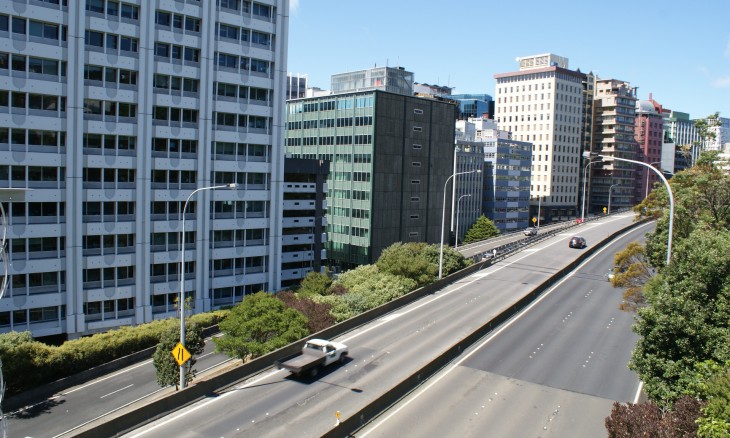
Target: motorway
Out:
[555,369]
[382,352]
[71,409]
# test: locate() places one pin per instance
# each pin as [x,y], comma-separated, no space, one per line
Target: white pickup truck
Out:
[316,353]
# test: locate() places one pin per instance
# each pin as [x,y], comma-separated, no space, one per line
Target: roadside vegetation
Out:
[261,323]
[682,310]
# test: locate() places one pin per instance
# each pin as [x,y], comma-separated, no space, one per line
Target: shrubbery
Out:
[28,363]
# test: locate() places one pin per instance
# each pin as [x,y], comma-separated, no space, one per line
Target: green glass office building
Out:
[390,156]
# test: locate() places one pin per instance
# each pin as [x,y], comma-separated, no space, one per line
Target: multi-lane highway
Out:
[553,370]
[65,412]
[383,352]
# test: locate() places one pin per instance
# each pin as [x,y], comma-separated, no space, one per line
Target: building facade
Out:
[114,113]
[466,189]
[390,156]
[391,79]
[505,193]
[649,136]
[614,113]
[474,105]
[303,226]
[543,103]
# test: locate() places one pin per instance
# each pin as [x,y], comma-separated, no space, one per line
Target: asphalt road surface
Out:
[382,352]
[554,370]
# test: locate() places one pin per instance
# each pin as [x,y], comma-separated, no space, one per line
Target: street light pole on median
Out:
[181,301]
[443,218]
[609,196]
[456,242]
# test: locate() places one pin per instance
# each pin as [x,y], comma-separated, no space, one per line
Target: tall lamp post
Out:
[646,195]
[181,302]
[583,203]
[669,191]
[609,196]
[456,243]
[443,218]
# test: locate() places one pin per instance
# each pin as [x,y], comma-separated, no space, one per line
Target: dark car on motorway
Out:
[577,242]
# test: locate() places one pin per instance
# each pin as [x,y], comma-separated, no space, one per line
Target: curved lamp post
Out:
[583,203]
[181,302]
[443,218]
[456,243]
[609,196]
[669,191]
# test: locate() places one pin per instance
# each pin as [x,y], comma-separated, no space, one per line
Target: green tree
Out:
[632,271]
[168,371]
[315,283]
[367,288]
[452,261]
[259,324]
[685,321]
[408,260]
[715,421]
[482,229]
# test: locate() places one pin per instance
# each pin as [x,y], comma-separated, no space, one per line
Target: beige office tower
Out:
[542,103]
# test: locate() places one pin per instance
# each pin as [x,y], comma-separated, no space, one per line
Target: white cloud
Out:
[703,70]
[294,6]
[723,82]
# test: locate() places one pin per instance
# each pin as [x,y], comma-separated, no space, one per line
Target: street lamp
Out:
[609,196]
[443,218]
[646,195]
[583,203]
[181,302]
[456,244]
[669,191]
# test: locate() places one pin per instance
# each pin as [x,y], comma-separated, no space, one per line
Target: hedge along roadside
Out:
[169,400]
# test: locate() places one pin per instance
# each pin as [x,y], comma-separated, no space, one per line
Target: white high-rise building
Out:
[542,103]
[113,113]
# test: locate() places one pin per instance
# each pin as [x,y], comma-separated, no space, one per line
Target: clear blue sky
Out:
[677,50]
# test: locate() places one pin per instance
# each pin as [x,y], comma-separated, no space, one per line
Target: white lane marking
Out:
[103,415]
[415,395]
[225,395]
[114,392]
[474,277]
[202,405]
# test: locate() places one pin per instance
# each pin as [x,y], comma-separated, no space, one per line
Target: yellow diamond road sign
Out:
[180,354]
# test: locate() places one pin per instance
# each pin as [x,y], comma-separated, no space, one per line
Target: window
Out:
[162,18]
[417,129]
[43,30]
[192,24]
[417,111]
[19,25]
[192,54]
[130,11]
[4,23]
[95,6]
[18,62]
[162,50]
[225,31]
[94,38]
[260,38]
[259,66]
[262,11]
[128,44]
[229,61]
[112,41]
